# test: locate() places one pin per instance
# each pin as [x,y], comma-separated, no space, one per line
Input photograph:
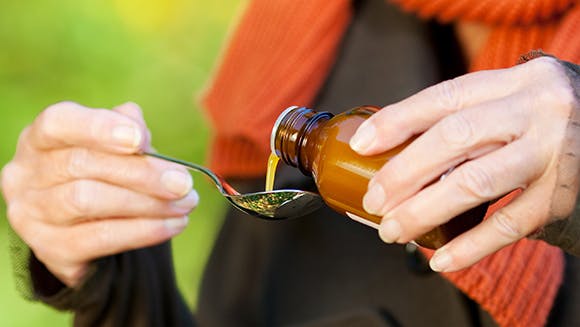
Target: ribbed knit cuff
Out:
[517,285]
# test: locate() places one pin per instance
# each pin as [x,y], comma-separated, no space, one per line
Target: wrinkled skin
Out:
[515,128]
[77,191]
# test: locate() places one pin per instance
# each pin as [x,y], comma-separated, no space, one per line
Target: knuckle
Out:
[476,181]
[457,131]
[558,89]
[79,196]
[21,218]
[507,225]
[47,123]
[544,66]
[8,179]
[76,162]
[449,95]
[24,139]
[133,172]
[6,174]
[16,214]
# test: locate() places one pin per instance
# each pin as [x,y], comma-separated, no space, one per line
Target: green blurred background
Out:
[158,53]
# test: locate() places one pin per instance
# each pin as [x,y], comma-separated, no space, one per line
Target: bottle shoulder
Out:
[343,126]
[357,112]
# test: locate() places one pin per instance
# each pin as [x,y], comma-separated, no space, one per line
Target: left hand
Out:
[501,130]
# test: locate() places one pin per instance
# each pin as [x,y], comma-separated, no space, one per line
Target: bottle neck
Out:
[292,133]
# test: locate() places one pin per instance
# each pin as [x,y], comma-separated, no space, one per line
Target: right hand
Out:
[77,191]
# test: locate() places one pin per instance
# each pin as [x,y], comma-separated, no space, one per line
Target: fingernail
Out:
[126,135]
[390,231]
[188,202]
[374,199]
[177,182]
[176,225]
[440,261]
[363,137]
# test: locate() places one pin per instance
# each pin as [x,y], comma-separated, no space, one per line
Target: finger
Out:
[69,124]
[396,123]
[133,110]
[108,237]
[142,174]
[83,200]
[509,224]
[456,138]
[81,243]
[467,186]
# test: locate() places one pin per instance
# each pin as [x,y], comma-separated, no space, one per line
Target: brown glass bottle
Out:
[318,144]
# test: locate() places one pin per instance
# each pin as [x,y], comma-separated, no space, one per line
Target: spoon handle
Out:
[221,184]
[279,204]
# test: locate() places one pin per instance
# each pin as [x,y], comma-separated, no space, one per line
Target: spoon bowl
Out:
[270,205]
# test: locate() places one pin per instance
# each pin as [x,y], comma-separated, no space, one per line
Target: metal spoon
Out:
[271,205]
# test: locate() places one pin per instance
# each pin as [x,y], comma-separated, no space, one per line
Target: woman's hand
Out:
[502,130]
[76,191]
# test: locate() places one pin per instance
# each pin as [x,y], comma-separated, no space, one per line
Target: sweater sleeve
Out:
[135,288]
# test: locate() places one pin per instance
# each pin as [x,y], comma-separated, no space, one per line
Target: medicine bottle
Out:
[317,143]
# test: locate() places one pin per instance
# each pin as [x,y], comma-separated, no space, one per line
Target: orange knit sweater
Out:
[281,53]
